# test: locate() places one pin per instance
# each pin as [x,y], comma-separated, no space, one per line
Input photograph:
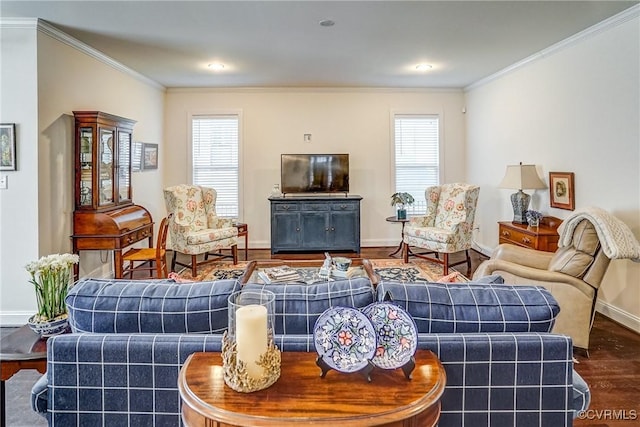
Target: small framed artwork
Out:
[561,190]
[136,156]
[8,147]
[149,156]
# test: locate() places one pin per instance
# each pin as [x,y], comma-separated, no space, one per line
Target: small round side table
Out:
[403,222]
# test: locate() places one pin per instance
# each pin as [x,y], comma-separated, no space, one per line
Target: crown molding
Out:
[609,23]
[51,31]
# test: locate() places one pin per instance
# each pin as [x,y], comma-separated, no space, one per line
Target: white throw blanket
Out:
[616,238]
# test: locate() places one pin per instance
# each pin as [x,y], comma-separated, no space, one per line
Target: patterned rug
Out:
[386,269]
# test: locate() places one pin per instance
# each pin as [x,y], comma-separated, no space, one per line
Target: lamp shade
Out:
[522,177]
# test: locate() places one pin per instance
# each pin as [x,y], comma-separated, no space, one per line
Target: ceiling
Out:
[282,44]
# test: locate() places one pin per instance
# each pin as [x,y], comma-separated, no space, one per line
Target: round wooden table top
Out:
[301,396]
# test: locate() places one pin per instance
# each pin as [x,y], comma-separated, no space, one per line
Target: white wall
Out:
[355,121]
[19,228]
[70,76]
[573,110]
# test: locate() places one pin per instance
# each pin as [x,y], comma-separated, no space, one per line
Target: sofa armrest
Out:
[523,379]
[39,396]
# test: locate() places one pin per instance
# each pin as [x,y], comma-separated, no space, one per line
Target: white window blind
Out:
[215,144]
[417,156]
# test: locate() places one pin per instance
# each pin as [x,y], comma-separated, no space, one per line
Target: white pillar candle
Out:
[251,337]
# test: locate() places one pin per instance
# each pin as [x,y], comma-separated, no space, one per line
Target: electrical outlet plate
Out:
[4,182]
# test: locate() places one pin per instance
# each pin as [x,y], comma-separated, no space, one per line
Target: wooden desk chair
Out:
[150,258]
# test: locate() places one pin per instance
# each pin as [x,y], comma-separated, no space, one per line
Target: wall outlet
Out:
[307,137]
[4,182]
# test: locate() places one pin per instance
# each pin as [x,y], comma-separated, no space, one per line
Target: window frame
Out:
[213,113]
[392,149]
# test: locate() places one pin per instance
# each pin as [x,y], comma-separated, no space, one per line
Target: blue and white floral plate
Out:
[396,333]
[345,339]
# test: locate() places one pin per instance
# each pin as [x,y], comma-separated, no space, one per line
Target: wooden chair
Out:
[151,259]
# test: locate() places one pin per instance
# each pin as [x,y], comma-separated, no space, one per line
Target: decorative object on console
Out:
[533,217]
[400,200]
[51,276]
[562,195]
[342,263]
[8,146]
[521,177]
[251,361]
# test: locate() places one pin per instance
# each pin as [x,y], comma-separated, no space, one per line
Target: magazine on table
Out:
[280,274]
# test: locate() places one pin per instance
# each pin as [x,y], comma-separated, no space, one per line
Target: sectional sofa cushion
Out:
[150,306]
[299,306]
[473,307]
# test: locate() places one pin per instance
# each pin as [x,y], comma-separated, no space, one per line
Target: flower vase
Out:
[401,214]
[534,222]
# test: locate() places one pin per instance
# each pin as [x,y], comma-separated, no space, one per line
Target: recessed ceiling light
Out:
[216,66]
[327,23]
[424,67]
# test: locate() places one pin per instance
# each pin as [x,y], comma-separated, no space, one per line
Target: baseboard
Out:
[484,250]
[620,316]
[14,318]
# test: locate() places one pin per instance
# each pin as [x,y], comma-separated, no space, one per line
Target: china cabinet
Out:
[105,217]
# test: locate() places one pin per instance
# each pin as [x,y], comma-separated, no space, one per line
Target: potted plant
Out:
[51,276]
[400,200]
[533,217]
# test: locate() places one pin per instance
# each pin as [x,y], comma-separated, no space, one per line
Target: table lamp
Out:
[519,177]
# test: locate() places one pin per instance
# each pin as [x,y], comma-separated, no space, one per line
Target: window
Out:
[417,156]
[215,146]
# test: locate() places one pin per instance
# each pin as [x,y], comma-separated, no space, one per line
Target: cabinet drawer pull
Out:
[326,229]
[526,240]
[343,206]
[505,233]
[297,228]
[285,207]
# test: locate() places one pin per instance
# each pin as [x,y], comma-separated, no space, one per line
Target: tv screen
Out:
[314,173]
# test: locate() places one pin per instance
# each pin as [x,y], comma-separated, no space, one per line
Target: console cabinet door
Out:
[315,230]
[343,230]
[285,231]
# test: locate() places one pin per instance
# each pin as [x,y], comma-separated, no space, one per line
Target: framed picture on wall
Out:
[561,190]
[8,146]
[136,156]
[149,156]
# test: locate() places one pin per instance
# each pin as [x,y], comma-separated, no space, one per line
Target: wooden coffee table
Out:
[253,266]
[21,349]
[301,397]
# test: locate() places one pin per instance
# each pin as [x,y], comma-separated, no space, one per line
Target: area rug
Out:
[386,269]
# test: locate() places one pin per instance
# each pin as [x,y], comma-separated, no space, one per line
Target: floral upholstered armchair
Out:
[194,227]
[447,226]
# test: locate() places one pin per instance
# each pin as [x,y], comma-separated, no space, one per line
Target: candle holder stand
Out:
[235,372]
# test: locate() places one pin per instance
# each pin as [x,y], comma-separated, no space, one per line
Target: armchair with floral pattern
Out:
[447,225]
[194,227]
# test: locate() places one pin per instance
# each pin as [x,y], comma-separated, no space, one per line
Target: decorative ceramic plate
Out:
[344,338]
[396,333]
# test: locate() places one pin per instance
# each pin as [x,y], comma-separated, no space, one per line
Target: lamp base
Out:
[520,203]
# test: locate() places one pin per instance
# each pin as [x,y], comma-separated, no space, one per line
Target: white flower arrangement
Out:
[51,276]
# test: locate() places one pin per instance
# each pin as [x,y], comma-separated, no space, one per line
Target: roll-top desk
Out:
[105,217]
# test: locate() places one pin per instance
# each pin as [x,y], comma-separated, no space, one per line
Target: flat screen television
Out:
[314,173]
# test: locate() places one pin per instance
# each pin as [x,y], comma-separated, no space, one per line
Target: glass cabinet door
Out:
[86,166]
[105,171]
[124,166]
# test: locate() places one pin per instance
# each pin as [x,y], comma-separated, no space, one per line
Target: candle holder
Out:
[250,359]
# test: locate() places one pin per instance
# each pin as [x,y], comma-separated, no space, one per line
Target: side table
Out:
[542,238]
[301,397]
[21,349]
[243,230]
[403,222]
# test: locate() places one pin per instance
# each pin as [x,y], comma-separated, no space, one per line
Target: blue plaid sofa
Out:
[120,364]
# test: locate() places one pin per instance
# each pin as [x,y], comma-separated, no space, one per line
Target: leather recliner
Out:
[572,274]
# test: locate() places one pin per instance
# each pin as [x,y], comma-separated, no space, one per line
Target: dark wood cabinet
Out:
[315,223]
[105,217]
[542,238]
